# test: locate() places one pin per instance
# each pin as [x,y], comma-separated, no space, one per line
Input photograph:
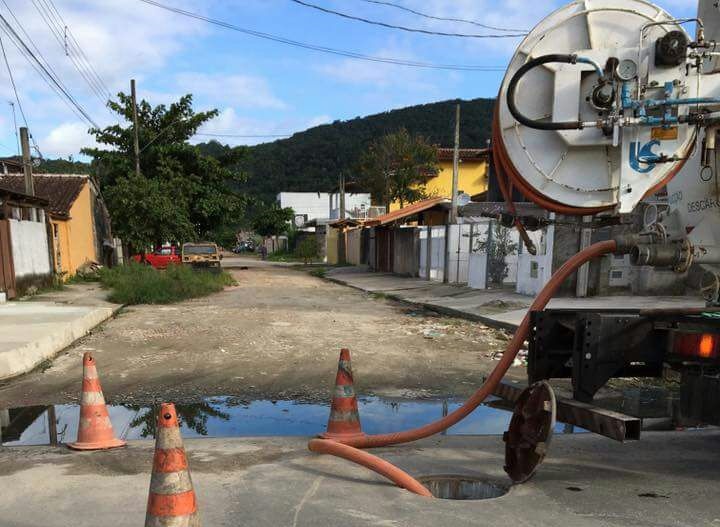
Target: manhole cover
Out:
[462,488]
[531,427]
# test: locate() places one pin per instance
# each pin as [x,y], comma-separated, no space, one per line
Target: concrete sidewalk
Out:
[667,479]
[498,308]
[32,331]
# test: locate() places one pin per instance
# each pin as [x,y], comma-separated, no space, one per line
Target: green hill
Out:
[312,160]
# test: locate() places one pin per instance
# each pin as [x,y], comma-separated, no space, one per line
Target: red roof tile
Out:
[466,154]
[60,190]
[408,211]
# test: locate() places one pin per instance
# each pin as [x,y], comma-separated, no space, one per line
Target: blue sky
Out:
[259,87]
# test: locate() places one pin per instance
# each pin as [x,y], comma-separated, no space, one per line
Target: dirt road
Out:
[276,335]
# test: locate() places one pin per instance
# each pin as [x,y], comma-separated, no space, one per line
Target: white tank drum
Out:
[589,116]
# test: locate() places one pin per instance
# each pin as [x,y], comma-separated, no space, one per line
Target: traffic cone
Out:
[95,430]
[171,502]
[344,422]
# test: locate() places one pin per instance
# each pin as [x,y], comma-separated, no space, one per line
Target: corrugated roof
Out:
[408,211]
[61,190]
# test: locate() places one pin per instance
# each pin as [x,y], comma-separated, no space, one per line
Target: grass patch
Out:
[282,256]
[142,284]
[319,272]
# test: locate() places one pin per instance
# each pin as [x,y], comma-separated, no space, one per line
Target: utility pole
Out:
[456,167]
[135,127]
[27,162]
[342,196]
[452,220]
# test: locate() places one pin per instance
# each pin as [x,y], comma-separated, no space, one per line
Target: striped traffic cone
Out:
[344,422]
[95,431]
[172,500]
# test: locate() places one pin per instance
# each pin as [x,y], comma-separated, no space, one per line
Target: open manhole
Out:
[462,488]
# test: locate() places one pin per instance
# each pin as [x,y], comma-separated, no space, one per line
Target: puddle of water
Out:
[230,417]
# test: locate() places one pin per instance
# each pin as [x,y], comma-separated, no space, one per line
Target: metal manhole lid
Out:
[530,431]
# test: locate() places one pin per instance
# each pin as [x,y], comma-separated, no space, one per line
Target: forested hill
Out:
[310,161]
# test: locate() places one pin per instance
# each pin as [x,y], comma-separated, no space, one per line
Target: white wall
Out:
[317,204]
[314,204]
[30,248]
[530,282]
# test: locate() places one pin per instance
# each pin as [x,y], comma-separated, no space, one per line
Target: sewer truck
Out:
[605,103]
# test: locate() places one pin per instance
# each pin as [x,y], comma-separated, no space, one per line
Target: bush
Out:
[142,284]
[307,249]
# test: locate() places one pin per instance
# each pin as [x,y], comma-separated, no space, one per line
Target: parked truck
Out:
[603,104]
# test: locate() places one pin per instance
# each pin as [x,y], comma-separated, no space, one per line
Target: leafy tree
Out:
[180,194]
[498,245]
[272,220]
[395,167]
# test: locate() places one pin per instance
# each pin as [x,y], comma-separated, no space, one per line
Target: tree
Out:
[395,167]
[180,194]
[272,220]
[498,245]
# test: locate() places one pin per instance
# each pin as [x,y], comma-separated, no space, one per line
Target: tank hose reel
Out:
[539,61]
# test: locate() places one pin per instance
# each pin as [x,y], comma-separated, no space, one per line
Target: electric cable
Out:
[322,49]
[443,19]
[401,28]
[18,41]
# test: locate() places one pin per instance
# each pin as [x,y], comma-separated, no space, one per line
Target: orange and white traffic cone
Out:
[172,500]
[344,422]
[95,431]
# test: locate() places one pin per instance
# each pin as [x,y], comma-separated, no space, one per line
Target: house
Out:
[79,221]
[24,245]
[472,174]
[309,206]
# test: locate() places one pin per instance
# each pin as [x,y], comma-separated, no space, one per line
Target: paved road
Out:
[667,479]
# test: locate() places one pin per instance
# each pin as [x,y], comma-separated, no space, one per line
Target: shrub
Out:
[142,284]
[307,249]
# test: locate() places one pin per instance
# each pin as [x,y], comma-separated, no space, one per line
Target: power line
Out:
[81,53]
[30,61]
[401,28]
[322,49]
[17,98]
[57,31]
[444,19]
[12,81]
[20,43]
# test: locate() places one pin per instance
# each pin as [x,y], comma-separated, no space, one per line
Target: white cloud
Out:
[379,75]
[67,139]
[243,91]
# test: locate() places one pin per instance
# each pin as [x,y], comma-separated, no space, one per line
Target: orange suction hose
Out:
[349,448]
[401,478]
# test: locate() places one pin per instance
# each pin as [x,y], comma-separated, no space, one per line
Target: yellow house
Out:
[79,223]
[472,174]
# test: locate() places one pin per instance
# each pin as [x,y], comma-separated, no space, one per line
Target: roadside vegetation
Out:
[142,284]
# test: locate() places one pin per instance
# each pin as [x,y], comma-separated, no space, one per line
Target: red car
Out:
[161,257]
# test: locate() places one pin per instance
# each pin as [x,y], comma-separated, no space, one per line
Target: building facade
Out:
[472,174]
[79,222]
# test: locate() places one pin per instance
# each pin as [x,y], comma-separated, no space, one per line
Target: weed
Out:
[142,284]
[319,272]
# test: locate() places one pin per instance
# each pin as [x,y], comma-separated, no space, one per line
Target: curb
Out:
[29,356]
[484,319]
